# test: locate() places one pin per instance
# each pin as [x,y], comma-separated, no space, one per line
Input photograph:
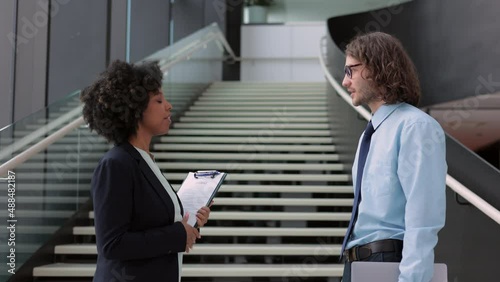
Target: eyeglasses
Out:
[348,69]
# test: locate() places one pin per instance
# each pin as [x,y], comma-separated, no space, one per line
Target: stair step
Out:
[263,270]
[46,200]
[276,88]
[246,140]
[68,157]
[224,188]
[75,148]
[219,200]
[32,229]
[182,176]
[247,156]
[39,213]
[257,108]
[273,177]
[287,188]
[263,133]
[245,147]
[177,104]
[261,98]
[266,83]
[270,113]
[208,166]
[206,156]
[304,92]
[226,249]
[250,166]
[278,125]
[67,144]
[207,270]
[239,120]
[223,201]
[283,103]
[247,231]
[273,89]
[309,216]
[20,248]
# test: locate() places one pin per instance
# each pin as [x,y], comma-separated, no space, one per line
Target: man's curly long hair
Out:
[389,65]
[115,102]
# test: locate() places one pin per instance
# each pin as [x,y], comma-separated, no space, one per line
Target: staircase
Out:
[284,207]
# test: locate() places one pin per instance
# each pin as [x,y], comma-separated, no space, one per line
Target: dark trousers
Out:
[378,257]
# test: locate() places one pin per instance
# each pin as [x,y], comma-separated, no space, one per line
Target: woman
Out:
[141,231]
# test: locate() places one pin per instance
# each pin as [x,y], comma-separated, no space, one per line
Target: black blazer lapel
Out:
[151,177]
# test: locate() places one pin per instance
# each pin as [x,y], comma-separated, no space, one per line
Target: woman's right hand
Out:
[191,233]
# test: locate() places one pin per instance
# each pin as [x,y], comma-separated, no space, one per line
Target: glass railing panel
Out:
[47,190]
[187,79]
[186,45]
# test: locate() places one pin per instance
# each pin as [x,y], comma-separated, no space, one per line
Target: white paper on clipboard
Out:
[198,190]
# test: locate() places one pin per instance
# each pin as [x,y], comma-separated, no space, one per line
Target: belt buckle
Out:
[363,253]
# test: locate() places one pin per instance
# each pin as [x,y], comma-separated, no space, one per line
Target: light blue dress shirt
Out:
[403,187]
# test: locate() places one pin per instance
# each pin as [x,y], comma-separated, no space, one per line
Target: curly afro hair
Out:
[115,102]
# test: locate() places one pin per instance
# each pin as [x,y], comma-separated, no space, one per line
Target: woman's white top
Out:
[177,208]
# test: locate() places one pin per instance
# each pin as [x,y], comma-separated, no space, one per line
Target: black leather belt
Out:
[364,251]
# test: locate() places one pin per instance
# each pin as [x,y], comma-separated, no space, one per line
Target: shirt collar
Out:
[382,113]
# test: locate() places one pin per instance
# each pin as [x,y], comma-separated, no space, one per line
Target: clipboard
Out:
[198,189]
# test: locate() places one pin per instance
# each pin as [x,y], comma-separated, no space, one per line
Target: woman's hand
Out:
[203,214]
[191,233]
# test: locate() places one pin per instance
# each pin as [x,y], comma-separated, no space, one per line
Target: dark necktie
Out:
[363,152]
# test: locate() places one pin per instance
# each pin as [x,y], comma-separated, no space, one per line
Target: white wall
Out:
[281,52]
[320,10]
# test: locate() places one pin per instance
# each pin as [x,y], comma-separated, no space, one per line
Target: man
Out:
[401,186]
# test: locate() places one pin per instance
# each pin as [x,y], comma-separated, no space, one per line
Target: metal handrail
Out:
[183,55]
[451,182]
[9,150]
[40,146]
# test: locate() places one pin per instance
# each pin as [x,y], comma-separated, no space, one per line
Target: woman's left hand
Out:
[202,215]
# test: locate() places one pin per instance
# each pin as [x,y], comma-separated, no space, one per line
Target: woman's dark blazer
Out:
[137,239]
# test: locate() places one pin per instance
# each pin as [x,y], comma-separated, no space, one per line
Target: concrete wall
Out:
[149,27]
[31,57]
[189,16]
[77,46]
[7,31]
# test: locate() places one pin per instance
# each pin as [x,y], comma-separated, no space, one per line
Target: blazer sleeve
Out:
[113,196]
